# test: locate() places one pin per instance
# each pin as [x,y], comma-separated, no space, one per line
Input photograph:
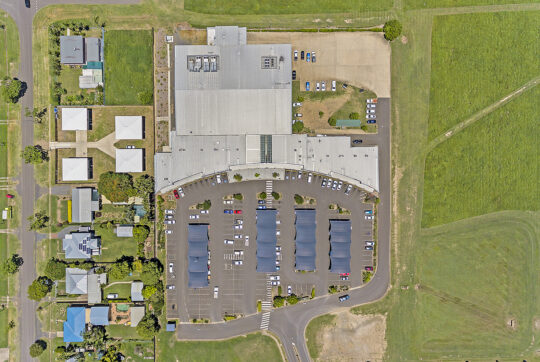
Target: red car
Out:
[369,268]
[344,274]
[176,194]
[9,196]
[237,211]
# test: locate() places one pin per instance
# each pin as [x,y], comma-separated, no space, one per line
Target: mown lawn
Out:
[313,329]
[128,66]
[253,347]
[113,247]
[123,290]
[490,166]
[4,320]
[283,6]
[3,256]
[470,72]
[427,4]
[137,350]
[9,60]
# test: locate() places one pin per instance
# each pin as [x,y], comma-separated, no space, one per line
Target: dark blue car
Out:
[227,211]
[371,121]
[344,297]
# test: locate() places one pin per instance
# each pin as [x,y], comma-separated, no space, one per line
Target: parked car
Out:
[278,248]
[294,75]
[112,296]
[368,247]
[170,286]
[238,236]
[205,212]
[169,217]
[274,277]
[194,217]
[340,185]
[344,297]
[368,212]
[348,190]
[238,212]
[261,202]
[228,211]
[323,183]
[297,104]
[344,277]
[313,59]
[318,88]
[370,243]
[278,267]
[310,177]
[333,86]
[369,217]
[216,292]
[170,222]
[181,192]
[169,212]
[176,195]
[371,105]
[308,57]
[239,252]
[302,55]
[27,3]
[168,232]
[296,55]
[307,86]
[368,268]
[261,207]
[276,283]
[335,185]
[238,227]
[299,175]
[298,115]
[370,111]
[228,202]
[239,221]
[277,262]
[228,242]
[371,100]
[371,121]
[323,86]
[357,141]
[329,183]
[238,262]
[289,290]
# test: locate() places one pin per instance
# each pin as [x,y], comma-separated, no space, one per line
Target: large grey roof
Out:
[197,255]
[93,53]
[84,201]
[239,96]
[76,281]
[80,245]
[71,49]
[266,240]
[306,241]
[340,246]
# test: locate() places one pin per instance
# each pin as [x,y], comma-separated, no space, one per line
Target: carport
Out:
[198,255]
[340,246]
[305,239]
[266,241]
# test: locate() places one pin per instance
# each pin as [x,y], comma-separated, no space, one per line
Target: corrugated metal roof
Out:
[340,246]
[266,240]
[306,241]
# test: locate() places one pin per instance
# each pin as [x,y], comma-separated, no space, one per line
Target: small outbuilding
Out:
[75,169]
[129,160]
[129,127]
[136,292]
[124,231]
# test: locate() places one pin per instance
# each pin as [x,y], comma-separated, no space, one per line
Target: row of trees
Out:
[119,187]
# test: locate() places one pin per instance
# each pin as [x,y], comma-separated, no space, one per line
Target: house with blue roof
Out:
[75,324]
[99,316]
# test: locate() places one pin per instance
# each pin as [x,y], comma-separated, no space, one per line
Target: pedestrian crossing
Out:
[265,321]
[266,307]
[269,189]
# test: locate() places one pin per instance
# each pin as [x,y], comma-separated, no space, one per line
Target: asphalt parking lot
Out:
[240,286]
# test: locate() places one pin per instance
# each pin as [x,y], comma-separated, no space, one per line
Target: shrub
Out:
[321,113]
[298,199]
[151,272]
[279,290]
[312,293]
[300,99]
[275,174]
[238,177]
[366,277]
[38,221]
[257,174]
[392,29]
[292,299]
[146,97]
[363,128]
[354,115]
[298,127]
[259,306]
[116,187]
[38,348]
[55,269]
[238,197]
[332,121]
[34,154]
[262,196]
[279,301]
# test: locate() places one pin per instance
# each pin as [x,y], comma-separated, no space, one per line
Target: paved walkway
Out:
[81,145]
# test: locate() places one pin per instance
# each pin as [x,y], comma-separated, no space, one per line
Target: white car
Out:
[278,252]
[238,262]
[239,221]
[239,252]
[371,100]
[277,262]
[371,105]
[193,217]
[329,184]
[204,212]
[370,243]
[323,86]
[169,212]
[216,292]
[370,111]
[333,86]
[370,116]
[171,267]
[247,241]
[276,283]
[318,86]
[297,104]
[278,232]
[369,217]
[169,217]
[168,232]
[289,290]
[310,177]
[218,179]
[228,202]
[274,277]
[181,192]
[228,242]
[340,185]
[170,286]
[170,222]
[238,236]
[238,227]
[278,248]
[296,55]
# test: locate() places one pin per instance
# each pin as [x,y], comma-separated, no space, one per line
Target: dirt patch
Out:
[354,338]
[404,39]
[311,108]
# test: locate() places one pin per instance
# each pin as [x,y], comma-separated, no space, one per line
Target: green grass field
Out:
[253,347]
[312,330]
[113,247]
[487,167]
[123,290]
[128,65]
[284,6]
[3,256]
[427,4]
[9,59]
[4,320]
[470,72]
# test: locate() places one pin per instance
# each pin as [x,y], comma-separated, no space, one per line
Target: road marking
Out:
[265,320]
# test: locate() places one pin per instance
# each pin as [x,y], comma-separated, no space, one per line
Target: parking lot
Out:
[232,245]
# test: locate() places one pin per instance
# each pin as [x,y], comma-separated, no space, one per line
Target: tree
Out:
[11,89]
[112,355]
[34,155]
[55,269]
[120,269]
[151,272]
[13,264]
[38,221]
[38,348]
[144,185]
[292,299]
[116,187]
[298,199]
[39,288]
[262,195]
[148,326]
[279,301]
[300,99]
[140,233]
[148,291]
[392,29]
[37,114]
[332,121]
[354,115]
[96,337]
[237,177]
[298,127]
[275,195]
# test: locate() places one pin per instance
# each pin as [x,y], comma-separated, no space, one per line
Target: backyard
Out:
[128,67]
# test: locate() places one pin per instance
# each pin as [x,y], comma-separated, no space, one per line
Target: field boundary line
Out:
[481,114]
[477,9]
